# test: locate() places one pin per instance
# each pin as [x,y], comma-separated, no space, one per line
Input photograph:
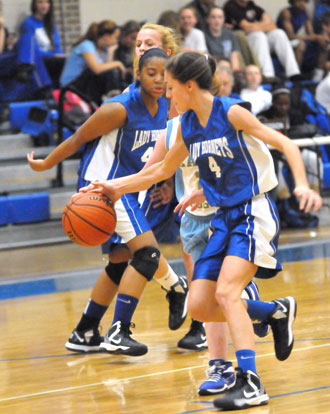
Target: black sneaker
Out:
[247,392]
[281,321]
[195,338]
[85,341]
[177,298]
[118,341]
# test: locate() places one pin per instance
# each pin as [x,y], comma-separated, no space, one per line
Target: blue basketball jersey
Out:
[125,150]
[234,166]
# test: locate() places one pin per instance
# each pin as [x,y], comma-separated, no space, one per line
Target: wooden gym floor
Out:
[45,289]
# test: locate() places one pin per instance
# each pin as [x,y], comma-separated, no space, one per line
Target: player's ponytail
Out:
[193,66]
[96,30]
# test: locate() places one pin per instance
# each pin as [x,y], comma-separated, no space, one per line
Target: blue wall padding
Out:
[24,208]
[4,210]
[18,112]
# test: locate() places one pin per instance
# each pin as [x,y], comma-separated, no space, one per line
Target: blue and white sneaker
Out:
[261,328]
[221,377]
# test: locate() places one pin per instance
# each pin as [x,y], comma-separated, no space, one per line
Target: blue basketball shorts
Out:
[194,233]
[250,231]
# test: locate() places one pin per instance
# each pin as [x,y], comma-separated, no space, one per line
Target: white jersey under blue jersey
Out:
[187,176]
[125,150]
[234,166]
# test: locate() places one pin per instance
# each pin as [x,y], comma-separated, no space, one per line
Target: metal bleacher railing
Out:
[63,123]
[322,172]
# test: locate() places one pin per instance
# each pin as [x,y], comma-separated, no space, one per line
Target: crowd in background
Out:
[295,47]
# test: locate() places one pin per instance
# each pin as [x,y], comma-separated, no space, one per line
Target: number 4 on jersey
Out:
[214,167]
[145,157]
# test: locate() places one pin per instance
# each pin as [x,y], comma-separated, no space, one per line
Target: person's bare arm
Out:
[97,67]
[110,116]
[286,21]
[144,179]
[266,24]
[2,34]
[234,60]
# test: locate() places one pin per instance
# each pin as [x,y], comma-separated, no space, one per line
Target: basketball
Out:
[89,219]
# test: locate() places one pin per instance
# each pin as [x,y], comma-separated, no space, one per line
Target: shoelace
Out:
[215,372]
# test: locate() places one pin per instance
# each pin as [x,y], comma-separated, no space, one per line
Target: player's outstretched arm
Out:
[144,179]
[245,121]
[110,116]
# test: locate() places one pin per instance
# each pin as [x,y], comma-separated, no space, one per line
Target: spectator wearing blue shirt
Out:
[39,39]
[89,67]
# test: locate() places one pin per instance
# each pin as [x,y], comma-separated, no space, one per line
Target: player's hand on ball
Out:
[309,199]
[103,187]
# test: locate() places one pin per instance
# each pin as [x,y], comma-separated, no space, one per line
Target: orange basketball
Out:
[89,219]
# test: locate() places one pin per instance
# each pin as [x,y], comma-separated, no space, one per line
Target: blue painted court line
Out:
[210,403]
[86,278]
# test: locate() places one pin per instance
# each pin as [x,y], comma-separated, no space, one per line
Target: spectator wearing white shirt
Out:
[254,93]
[193,39]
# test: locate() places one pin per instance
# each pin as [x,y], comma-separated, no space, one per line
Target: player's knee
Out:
[145,261]
[115,271]
[223,297]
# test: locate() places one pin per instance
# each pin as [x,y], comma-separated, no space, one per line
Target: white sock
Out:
[170,279]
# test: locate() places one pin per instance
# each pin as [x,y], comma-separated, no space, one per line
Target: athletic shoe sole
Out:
[82,348]
[113,349]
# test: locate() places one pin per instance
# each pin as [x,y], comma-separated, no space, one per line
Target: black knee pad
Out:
[115,271]
[146,261]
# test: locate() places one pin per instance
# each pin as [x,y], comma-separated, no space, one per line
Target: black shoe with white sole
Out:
[118,341]
[195,338]
[281,320]
[84,341]
[246,393]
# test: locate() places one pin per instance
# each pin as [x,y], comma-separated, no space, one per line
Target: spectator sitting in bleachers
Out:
[202,8]
[221,42]
[193,39]
[125,49]
[254,92]
[171,19]
[226,80]
[87,68]
[263,35]
[39,41]
[291,120]
[288,118]
[311,49]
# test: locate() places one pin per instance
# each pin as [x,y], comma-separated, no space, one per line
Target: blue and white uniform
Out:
[122,152]
[236,173]
[194,227]
[34,45]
